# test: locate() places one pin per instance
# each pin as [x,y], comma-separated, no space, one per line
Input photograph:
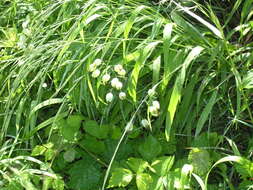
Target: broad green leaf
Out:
[150,148]
[163,165]
[143,181]
[137,165]
[205,113]
[69,155]
[84,174]
[200,160]
[121,177]
[92,128]
[69,132]
[177,90]
[92,144]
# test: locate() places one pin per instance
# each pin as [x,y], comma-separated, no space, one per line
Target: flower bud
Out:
[151,92]
[145,123]
[109,97]
[122,95]
[95,73]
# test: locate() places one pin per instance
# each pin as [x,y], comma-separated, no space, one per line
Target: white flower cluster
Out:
[93,68]
[115,82]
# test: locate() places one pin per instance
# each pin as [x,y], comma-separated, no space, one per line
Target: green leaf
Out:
[92,144]
[143,181]
[137,165]
[121,177]
[69,132]
[163,165]
[84,174]
[244,168]
[200,160]
[205,113]
[150,148]
[69,155]
[38,150]
[177,90]
[92,128]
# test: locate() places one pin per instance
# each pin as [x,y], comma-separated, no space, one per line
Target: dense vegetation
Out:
[126,94]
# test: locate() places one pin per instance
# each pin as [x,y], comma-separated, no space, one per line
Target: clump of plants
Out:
[137,95]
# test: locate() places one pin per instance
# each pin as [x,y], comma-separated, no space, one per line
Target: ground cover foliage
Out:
[126,94]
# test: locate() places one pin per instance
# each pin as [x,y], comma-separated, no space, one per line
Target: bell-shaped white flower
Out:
[156,104]
[114,82]
[106,78]
[95,73]
[109,97]
[119,85]
[153,111]
[122,95]
[122,72]
[92,67]
[97,62]
[117,68]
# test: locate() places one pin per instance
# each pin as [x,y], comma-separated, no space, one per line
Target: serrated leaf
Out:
[92,128]
[163,165]
[200,160]
[150,148]
[137,165]
[84,174]
[143,181]
[121,177]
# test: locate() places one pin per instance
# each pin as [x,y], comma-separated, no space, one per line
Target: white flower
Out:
[119,85]
[151,92]
[156,104]
[109,97]
[97,62]
[106,78]
[153,110]
[92,68]
[122,72]
[145,123]
[95,73]
[122,95]
[114,82]
[118,68]
[44,85]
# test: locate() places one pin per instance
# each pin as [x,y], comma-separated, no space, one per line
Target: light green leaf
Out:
[121,177]
[143,181]
[137,165]
[162,165]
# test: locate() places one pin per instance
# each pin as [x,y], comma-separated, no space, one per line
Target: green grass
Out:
[58,129]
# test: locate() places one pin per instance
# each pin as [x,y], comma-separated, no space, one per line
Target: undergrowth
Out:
[123,94]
